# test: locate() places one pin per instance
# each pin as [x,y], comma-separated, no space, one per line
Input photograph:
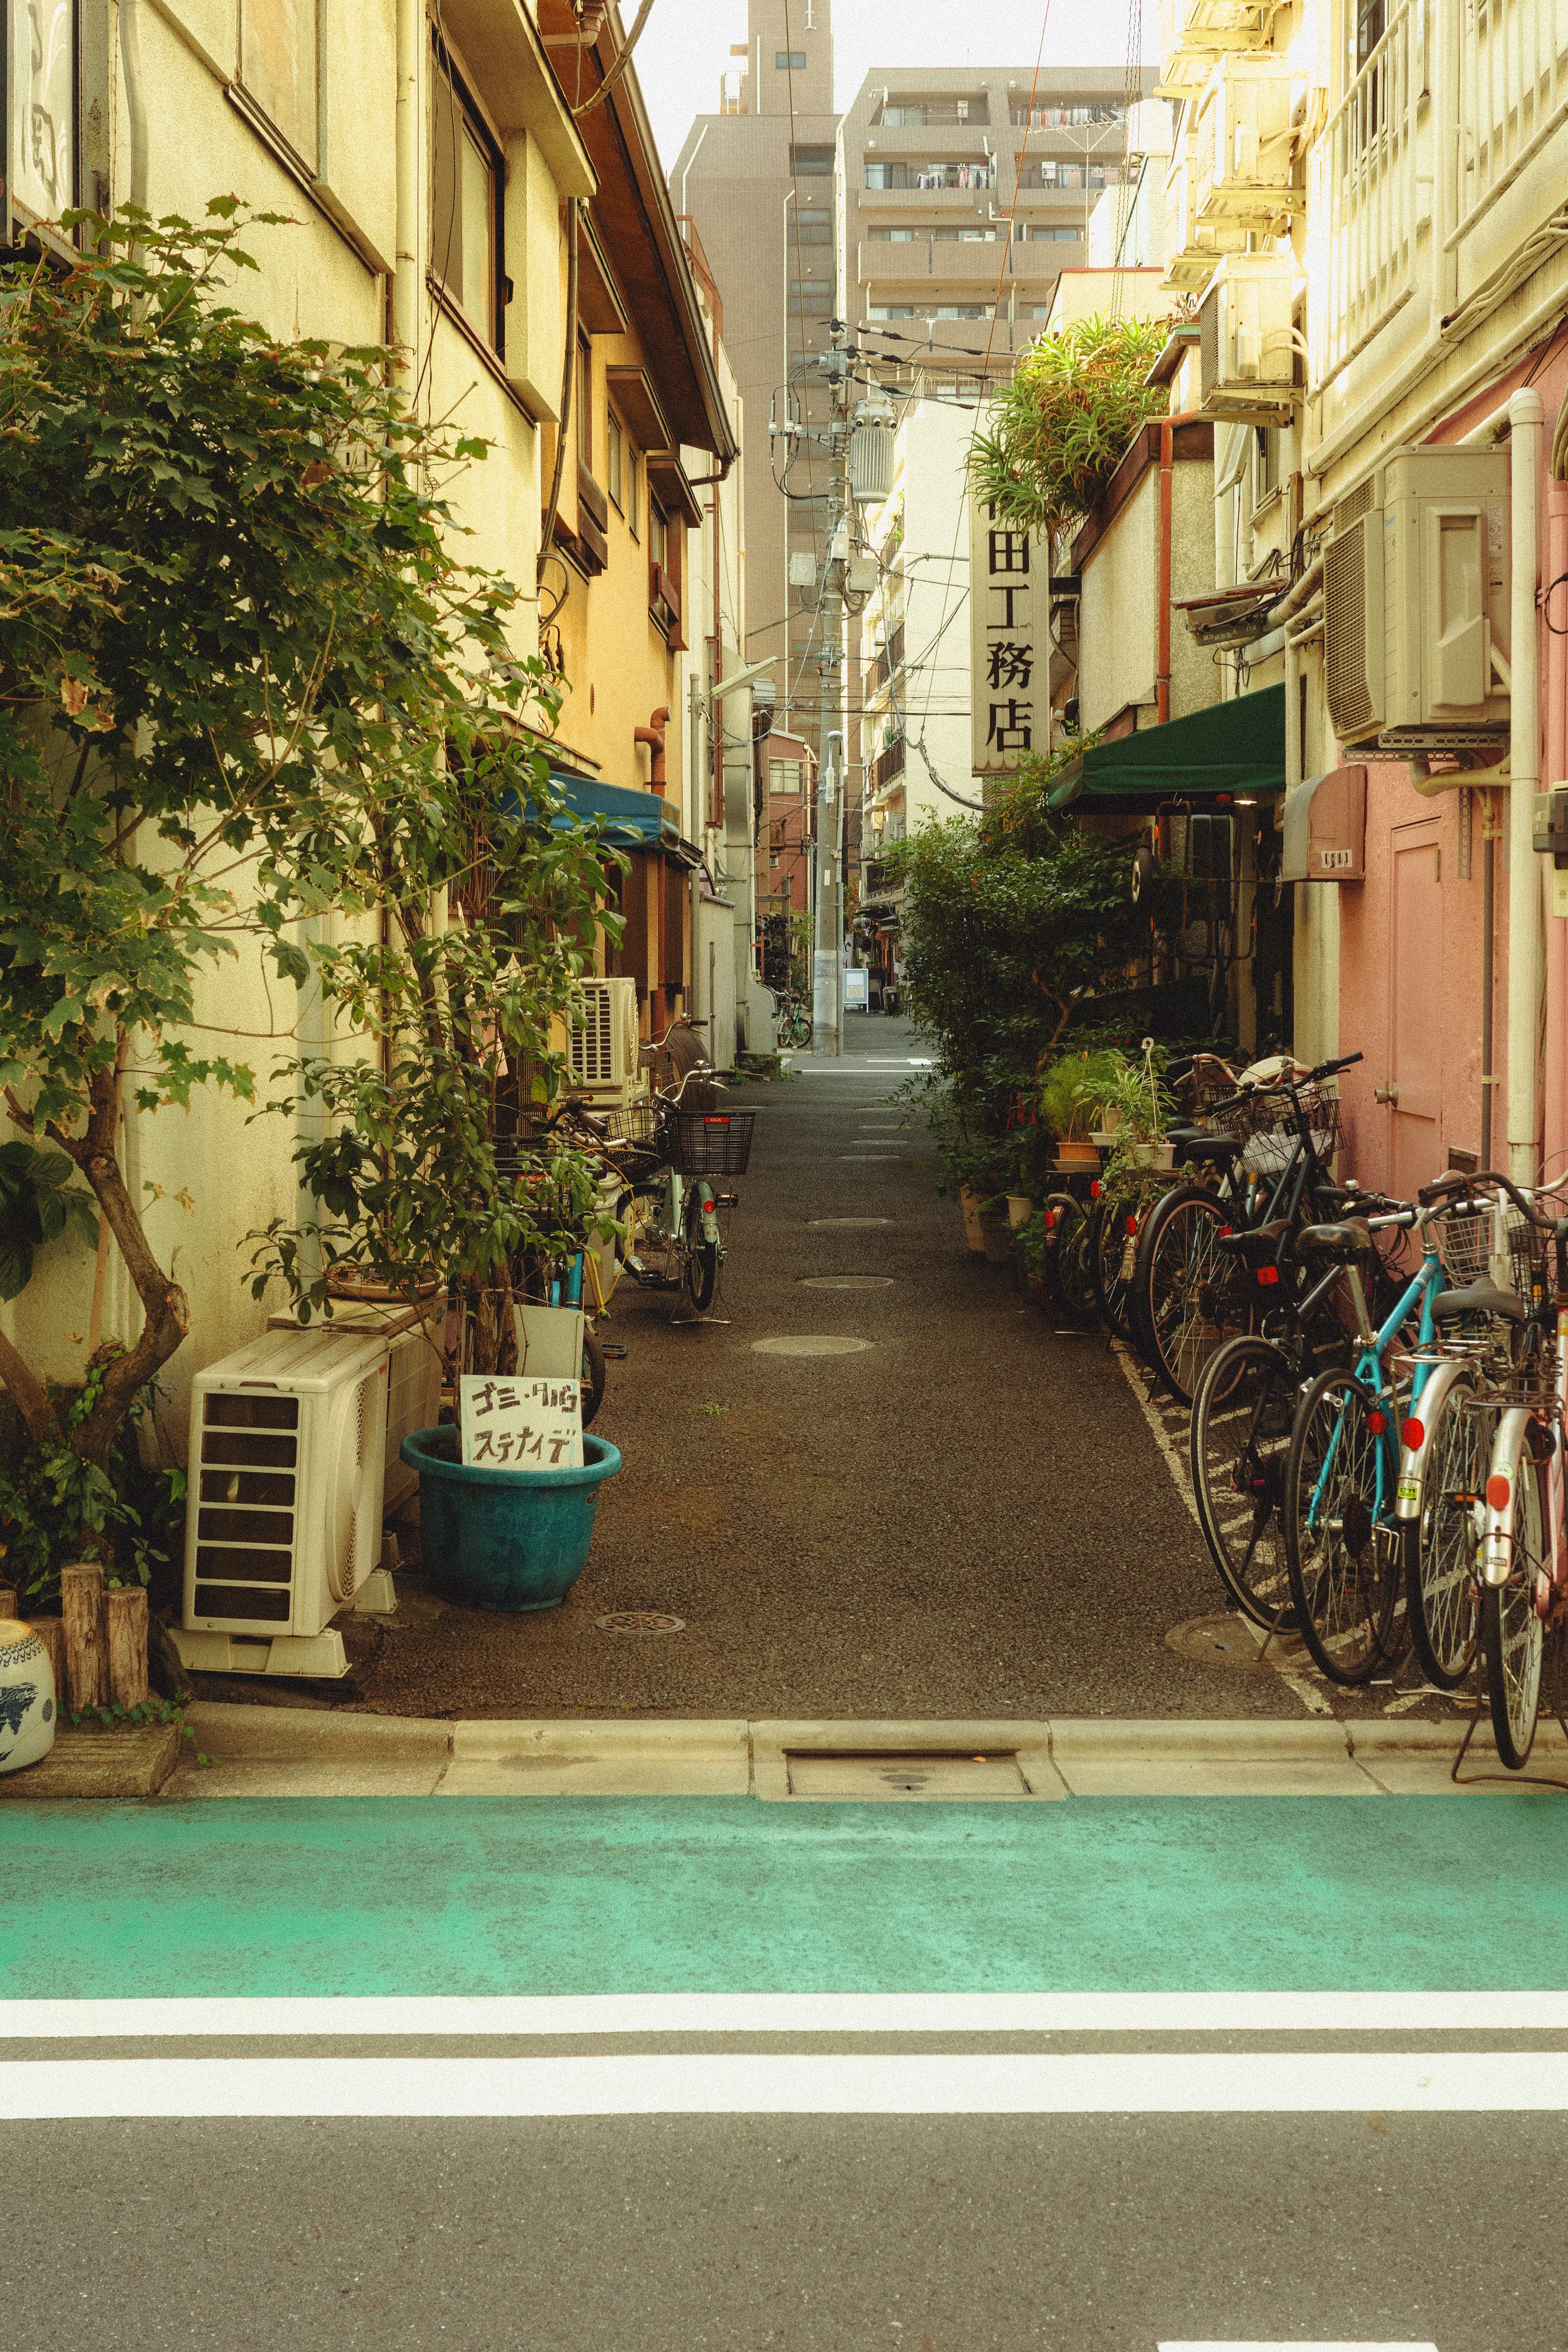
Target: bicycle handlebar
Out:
[1328,1069]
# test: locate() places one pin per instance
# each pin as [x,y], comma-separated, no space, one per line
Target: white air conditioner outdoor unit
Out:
[602,1042]
[1246,344]
[287,1463]
[1244,131]
[1416,605]
[1194,250]
[414,1375]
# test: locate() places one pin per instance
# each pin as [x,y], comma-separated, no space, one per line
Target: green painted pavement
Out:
[479,1895]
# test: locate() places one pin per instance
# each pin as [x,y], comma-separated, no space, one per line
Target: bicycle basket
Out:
[634,1124]
[1465,1244]
[709,1142]
[1267,1123]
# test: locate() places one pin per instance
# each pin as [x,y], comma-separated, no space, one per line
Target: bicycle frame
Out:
[1424,1287]
[1495,1552]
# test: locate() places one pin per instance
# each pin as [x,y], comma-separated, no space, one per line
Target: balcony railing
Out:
[1513,93]
[1362,207]
[886,766]
[889,659]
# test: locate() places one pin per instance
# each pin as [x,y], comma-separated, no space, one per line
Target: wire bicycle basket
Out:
[1268,1121]
[709,1142]
[1468,1245]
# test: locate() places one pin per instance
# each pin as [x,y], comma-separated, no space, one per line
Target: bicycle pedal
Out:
[613,1350]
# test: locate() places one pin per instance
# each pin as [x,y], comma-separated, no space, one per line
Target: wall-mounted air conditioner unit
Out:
[602,1042]
[286,1460]
[1416,605]
[1194,33]
[1193,250]
[1244,132]
[1247,345]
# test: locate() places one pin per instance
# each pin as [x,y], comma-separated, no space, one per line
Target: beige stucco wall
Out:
[1119,658]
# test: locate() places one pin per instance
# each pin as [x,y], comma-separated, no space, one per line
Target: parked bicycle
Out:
[793,1026]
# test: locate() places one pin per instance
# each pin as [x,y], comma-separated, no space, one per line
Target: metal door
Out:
[1413,1086]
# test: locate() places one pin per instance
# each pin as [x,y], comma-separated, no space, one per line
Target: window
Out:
[1265,467]
[896,236]
[786,776]
[1055,235]
[810,294]
[811,162]
[658,534]
[582,401]
[1370,24]
[789,61]
[278,56]
[632,509]
[464,234]
[615,459]
[810,227]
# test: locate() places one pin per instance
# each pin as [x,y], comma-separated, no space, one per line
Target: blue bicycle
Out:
[1343,1538]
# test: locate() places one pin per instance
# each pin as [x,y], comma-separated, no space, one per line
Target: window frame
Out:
[615,444]
[309,158]
[473,118]
[583,401]
[789,61]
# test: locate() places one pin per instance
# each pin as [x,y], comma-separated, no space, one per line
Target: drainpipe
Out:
[1524,942]
[135,98]
[1554,1123]
[1162,618]
[653,736]
[406,244]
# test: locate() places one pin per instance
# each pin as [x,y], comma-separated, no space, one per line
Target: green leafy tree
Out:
[245,679]
[1060,427]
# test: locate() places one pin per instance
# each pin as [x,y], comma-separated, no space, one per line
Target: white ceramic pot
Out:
[1020,1210]
[27,1696]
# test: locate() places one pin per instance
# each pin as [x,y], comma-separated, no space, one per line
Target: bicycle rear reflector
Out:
[1413,1434]
[1499,1493]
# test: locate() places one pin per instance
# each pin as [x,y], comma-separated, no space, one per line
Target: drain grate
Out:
[810,1343]
[1215,1642]
[858,1225]
[879,1777]
[640,1620]
[846,1281]
[869,1158]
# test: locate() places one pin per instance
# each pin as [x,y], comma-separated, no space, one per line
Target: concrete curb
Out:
[275,1751]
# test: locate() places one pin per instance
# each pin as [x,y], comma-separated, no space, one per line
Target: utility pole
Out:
[828,861]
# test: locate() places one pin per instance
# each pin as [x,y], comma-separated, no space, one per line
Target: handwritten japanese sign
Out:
[520,1424]
[1010,701]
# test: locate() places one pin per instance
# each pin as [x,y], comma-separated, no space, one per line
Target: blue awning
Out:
[631,820]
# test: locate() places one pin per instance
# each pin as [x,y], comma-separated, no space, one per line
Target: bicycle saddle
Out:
[1482,1297]
[1338,1244]
[1260,1246]
[1207,1147]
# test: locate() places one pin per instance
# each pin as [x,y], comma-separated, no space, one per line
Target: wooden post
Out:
[51,1632]
[81,1608]
[125,1617]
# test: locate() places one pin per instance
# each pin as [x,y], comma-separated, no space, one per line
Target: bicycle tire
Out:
[1110,1262]
[594,1375]
[1244,1410]
[1188,1296]
[1067,1276]
[1344,1579]
[1513,1635]
[1441,1593]
[699,1266]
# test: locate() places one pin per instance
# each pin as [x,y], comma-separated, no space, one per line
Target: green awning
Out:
[1236,747]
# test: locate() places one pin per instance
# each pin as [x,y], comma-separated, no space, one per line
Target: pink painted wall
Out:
[1455,962]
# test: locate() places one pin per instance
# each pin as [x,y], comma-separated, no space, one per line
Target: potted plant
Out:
[1070,1095]
[1136,1107]
[505,1538]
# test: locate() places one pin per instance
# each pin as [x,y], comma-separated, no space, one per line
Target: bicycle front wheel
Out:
[1188,1294]
[1512,1633]
[1442,1597]
[1339,1547]
[701,1270]
[593,1378]
[1068,1275]
[1242,1409]
[1113,1227]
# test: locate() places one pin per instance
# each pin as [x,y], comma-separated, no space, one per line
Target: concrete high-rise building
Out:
[757,178]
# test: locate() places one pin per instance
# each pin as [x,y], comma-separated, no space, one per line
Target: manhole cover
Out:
[640,1620]
[810,1343]
[1215,1642]
[846,1281]
[859,1223]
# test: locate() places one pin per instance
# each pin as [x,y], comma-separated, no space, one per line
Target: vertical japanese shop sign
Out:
[1009,649]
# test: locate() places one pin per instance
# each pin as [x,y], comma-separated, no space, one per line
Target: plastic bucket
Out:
[504,1539]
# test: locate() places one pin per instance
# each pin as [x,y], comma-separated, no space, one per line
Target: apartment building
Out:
[934,164]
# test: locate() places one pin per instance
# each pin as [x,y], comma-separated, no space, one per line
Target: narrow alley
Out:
[963,1514]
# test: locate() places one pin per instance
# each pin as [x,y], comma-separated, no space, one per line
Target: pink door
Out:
[1413,1086]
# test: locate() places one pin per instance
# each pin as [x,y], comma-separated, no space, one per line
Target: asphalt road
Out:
[968,1517]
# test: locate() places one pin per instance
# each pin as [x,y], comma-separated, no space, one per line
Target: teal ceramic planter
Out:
[504,1539]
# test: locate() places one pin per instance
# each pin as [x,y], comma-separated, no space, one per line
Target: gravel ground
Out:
[970,1518]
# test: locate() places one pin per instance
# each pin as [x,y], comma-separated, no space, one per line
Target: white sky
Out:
[685,46]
